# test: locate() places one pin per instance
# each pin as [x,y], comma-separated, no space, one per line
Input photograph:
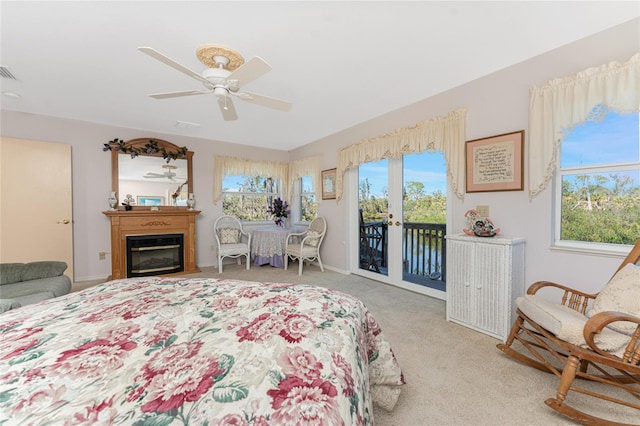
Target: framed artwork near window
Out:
[329,184]
[495,163]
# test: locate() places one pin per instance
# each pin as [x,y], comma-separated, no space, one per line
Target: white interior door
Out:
[35,202]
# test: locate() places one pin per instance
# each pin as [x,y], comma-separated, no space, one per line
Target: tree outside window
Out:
[249,197]
[308,203]
[598,185]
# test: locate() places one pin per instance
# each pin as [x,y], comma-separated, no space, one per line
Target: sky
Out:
[618,133]
[615,139]
[428,168]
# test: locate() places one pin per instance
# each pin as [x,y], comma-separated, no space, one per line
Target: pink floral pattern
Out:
[177,351]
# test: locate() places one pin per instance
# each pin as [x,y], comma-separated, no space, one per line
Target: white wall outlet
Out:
[483,211]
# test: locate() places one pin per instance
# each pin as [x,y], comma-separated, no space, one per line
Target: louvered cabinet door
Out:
[484,276]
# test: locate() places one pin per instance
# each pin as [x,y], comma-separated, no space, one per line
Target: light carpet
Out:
[455,375]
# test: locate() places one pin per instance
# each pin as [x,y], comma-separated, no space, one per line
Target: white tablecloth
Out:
[268,245]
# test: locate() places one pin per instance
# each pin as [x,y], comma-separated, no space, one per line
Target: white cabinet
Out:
[484,277]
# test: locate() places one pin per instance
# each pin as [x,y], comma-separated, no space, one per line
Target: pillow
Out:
[312,238]
[229,235]
[621,294]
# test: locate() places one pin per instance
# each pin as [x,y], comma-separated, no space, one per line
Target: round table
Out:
[268,244]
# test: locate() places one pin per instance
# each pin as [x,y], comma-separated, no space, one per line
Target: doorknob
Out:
[398,223]
[63,222]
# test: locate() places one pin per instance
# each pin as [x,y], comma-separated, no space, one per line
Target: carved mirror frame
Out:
[140,143]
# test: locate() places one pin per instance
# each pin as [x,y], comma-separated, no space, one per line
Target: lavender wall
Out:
[496,104]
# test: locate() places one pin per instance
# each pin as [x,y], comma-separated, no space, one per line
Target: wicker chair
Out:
[232,240]
[584,336]
[306,245]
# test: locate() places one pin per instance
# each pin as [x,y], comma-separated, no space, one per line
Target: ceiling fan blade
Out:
[265,101]
[166,95]
[227,108]
[168,61]
[151,175]
[251,70]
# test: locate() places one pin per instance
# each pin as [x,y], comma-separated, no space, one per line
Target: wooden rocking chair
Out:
[571,339]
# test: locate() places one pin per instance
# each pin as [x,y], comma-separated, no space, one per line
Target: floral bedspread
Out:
[169,351]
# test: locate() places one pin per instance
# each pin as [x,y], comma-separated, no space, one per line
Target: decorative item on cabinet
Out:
[479,226]
[484,277]
[191,201]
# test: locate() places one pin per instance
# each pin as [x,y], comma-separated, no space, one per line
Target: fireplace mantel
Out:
[147,222]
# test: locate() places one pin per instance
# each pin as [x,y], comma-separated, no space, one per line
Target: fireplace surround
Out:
[166,221]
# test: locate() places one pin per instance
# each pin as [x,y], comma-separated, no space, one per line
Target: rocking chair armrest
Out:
[571,298]
[599,321]
[533,288]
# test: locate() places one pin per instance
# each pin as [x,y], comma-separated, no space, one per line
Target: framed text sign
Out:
[329,184]
[495,163]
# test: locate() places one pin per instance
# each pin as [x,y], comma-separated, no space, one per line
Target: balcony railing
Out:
[424,259]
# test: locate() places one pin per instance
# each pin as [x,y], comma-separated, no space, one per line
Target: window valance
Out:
[224,166]
[565,102]
[309,166]
[445,134]
[287,173]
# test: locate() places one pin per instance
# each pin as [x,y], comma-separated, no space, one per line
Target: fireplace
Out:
[154,254]
[167,220]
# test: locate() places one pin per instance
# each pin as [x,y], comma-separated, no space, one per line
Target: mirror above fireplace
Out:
[149,178]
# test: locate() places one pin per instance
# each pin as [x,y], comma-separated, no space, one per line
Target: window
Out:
[308,203]
[598,181]
[248,197]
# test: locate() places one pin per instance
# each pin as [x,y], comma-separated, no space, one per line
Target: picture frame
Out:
[329,184]
[495,163]
[150,200]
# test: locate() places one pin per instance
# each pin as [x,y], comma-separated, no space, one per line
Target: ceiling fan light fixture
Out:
[220,91]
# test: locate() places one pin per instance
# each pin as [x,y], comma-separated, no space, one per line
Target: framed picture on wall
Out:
[146,200]
[495,163]
[329,184]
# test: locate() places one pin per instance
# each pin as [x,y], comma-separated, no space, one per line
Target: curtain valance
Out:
[565,102]
[224,166]
[445,134]
[309,166]
[287,173]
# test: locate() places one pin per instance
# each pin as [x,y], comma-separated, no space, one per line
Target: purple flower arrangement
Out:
[279,209]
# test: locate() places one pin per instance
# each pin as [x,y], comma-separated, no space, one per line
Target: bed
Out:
[170,351]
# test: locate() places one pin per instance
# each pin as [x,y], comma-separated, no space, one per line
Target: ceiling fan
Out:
[169,174]
[225,77]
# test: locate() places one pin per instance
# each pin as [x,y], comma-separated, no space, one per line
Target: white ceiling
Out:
[339,63]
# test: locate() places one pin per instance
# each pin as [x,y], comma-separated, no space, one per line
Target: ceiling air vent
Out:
[6,73]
